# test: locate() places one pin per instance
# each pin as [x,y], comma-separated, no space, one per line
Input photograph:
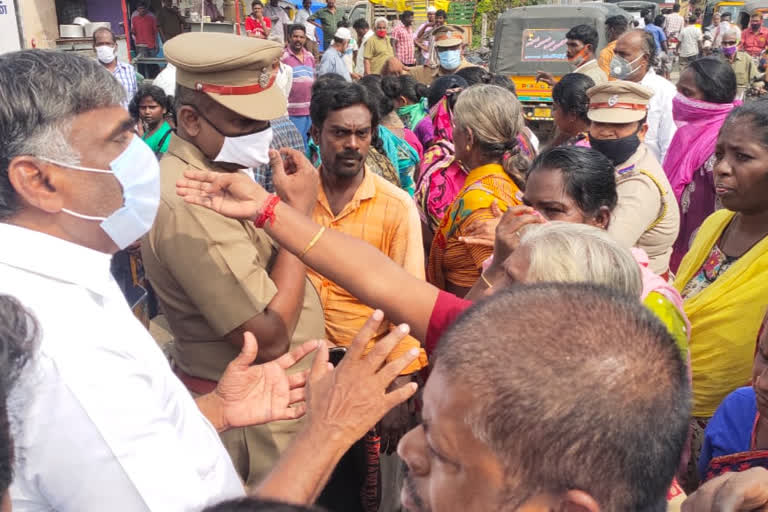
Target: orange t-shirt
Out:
[386,217]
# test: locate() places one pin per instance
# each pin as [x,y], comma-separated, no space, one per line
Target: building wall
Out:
[104,10]
[39,24]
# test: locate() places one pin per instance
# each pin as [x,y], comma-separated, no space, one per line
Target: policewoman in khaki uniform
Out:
[647,214]
[217,277]
[448,44]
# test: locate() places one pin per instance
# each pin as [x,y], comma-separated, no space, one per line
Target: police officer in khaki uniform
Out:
[647,214]
[449,45]
[216,277]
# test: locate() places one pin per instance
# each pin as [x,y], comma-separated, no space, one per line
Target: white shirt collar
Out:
[56,258]
[649,75]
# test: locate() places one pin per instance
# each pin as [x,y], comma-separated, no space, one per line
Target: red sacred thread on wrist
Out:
[268,212]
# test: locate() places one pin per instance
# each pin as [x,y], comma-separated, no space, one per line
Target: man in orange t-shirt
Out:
[615,26]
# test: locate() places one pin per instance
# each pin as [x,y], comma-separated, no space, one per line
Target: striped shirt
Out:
[284,135]
[385,217]
[126,75]
[405,47]
[303,78]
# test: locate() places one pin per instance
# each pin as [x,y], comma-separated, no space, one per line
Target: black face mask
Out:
[617,150]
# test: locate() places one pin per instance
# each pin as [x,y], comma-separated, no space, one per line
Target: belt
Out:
[195,384]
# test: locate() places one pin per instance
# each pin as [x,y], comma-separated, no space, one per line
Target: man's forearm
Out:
[349,261]
[289,275]
[304,468]
[210,407]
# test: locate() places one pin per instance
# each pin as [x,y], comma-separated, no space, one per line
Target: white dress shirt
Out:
[302,18]
[99,420]
[360,61]
[661,125]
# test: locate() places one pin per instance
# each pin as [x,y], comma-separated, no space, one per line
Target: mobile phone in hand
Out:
[336,354]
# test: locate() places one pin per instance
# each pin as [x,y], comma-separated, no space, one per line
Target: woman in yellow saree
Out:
[724,277]
[486,125]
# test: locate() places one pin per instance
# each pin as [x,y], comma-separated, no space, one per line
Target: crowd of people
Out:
[383,289]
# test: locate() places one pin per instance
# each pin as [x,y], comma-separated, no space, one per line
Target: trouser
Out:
[343,492]
[686,61]
[148,70]
[302,123]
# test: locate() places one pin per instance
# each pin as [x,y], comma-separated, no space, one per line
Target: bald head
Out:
[587,390]
[639,48]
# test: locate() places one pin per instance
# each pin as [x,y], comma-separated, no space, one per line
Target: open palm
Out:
[257,394]
[233,195]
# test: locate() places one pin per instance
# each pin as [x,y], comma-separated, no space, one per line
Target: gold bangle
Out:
[312,242]
[485,280]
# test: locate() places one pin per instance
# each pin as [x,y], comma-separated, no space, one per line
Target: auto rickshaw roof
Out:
[636,4]
[754,6]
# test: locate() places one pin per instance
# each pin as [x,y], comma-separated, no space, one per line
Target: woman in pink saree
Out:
[706,92]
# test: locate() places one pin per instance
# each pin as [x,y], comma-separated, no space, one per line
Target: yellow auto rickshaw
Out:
[531,39]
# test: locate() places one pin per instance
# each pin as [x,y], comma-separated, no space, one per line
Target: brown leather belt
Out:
[195,384]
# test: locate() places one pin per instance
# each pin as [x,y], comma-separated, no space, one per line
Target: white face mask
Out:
[247,150]
[105,54]
[138,172]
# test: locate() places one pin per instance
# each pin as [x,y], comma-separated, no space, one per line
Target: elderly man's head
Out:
[638,49]
[730,42]
[555,413]
[50,129]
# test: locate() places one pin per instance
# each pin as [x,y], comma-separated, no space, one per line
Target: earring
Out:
[469,147]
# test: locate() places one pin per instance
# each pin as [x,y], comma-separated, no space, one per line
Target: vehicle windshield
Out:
[733,9]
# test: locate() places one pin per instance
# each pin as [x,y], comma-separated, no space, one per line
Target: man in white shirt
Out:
[364,33]
[99,420]
[690,42]
[309,28]
[105,46]
[279,18]
[633,61]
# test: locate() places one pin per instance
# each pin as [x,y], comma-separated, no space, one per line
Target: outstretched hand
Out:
[547,78]
[346,402]
[731,492]
[236,195]
[483,231]
[231,194]
[255,394]
[296,179]
[503,231]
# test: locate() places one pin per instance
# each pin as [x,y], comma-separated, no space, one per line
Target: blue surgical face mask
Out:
[450,59]
[138,172]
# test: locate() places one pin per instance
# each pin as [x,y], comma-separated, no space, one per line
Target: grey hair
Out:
[732,30]
[566,252]
[380,19]
[43,91]
[494,115]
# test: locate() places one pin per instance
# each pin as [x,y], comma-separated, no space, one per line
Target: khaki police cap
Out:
[448,35]
[618,102]
[237,72]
